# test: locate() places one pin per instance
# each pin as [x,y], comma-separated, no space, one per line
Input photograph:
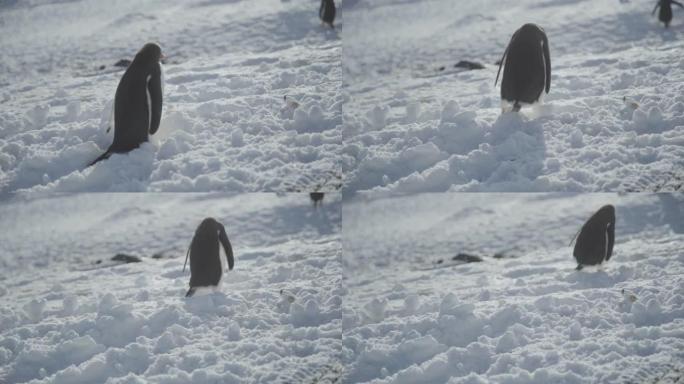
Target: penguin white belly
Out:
[149,102]
[543,59]
[222,260]
[161,77]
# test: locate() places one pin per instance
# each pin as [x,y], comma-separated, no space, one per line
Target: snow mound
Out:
[524,314]
[67,318]
[613,120]
[229,65]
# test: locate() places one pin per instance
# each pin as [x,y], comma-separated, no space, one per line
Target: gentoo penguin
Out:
[205,258]
[327,12]
[594,243]
[138,102]
[317,198]
[527,66]
[665,14]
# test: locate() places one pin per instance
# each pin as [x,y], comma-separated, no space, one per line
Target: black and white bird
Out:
[206,268]
[665,14]
[527,67]
[316,198]
[327,12]
[594,242]
[138,102]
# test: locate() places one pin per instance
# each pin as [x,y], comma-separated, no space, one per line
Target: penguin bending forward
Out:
[138,102]
[327,12]
[527,67]
[205,257]
[665,14]
[594,243]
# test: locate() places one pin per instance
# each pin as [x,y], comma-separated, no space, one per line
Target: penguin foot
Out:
[516,107]
[191,292]
[579,267]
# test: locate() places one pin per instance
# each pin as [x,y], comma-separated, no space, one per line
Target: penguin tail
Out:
[516,107]
[190,292]
[102,157]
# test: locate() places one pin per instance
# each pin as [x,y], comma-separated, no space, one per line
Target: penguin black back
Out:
[327,12]
[138,102]
[527,66]
[594,243]
[205,262]
[665,14]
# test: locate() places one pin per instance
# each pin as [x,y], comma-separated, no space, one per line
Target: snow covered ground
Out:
[525,316]
[230,63]
[412,128]
[65,319]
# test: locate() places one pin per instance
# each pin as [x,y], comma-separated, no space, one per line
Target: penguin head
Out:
[531,29]
[606,214]
[150,53]
[208,224]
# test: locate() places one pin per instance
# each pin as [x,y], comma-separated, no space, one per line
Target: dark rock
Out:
[123,63]
[126,258]
[467,258]
[469,65]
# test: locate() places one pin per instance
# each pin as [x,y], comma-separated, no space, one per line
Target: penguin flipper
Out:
[223,238]
[187,254]
[547,63]
[500,65]
[190,292]
[102,157]
[154,87]
[655,8]
[611,239]
[678,3]
[504,58]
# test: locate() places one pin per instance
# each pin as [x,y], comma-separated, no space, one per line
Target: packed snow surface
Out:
[523,314]
[225,125]
[613,120]
[66,319]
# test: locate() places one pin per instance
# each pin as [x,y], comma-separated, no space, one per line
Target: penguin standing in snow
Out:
[527,67]
[594,243]
[316,198]
[205,257]
[665,14]
[327,12]
[138,102]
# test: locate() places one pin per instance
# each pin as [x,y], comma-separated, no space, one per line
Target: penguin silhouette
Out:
[527,67]
[594,242]
[205,258]
[665,14]
[138,102]
[316,198]
[327,12]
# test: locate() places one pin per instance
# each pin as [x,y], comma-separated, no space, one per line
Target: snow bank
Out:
[229,66]
[613,120]
[67,319]
[523,314]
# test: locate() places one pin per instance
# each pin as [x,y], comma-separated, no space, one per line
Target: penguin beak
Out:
[162,57]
